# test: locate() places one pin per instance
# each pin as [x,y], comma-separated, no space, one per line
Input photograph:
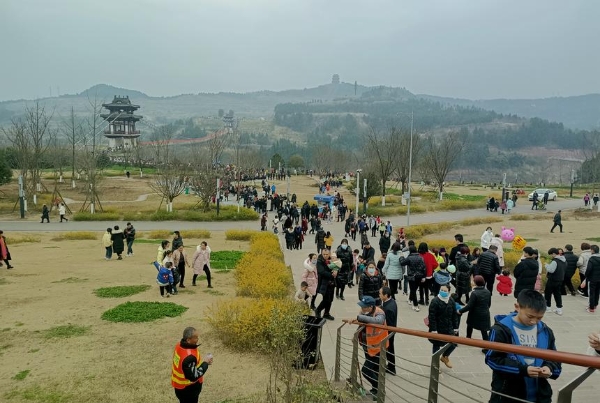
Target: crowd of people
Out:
[463,282]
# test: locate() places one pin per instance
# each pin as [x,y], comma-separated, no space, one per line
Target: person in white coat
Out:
[496,240]
[392,269]
[62,211]
[486,238]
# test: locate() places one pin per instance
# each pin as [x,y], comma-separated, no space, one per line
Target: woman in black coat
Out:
[326,284]
[479,309]
[344,253]
[464,271]
[526,271]
[118,242]
[443,319]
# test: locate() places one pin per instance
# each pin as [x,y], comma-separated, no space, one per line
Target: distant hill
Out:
[576,112]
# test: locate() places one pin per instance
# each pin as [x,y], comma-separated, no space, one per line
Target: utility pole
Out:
[21,197]
[572,181]
[412,119]
[218,195]
[358,171]
[365,196]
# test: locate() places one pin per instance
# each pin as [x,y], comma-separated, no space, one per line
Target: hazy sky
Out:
[458,48]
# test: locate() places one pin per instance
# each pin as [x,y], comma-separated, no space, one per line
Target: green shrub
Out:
[133,312]
[21,375]
[65,331]
[225,259]
[120,291]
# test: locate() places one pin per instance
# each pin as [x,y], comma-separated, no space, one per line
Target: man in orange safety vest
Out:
[188,369]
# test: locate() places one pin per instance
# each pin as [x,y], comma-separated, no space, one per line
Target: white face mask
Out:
[371,271]
[344,246]
[314,261]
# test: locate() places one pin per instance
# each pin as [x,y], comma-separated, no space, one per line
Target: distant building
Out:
[229,121]
[121,131]
[335,79]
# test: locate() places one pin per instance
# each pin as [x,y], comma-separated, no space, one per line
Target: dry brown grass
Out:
[111,351]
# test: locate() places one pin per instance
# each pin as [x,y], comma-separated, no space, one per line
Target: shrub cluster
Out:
[187,234]
[245,324]
[239,235]
[76,236]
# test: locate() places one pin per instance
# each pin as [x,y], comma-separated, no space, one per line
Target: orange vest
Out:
[375,336]
[178,379]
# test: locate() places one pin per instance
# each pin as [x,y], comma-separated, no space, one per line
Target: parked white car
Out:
[551,194]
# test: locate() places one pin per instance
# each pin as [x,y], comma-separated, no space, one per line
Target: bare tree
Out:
[382,149]
[163,135]
[170,183]
[439,153]
[73,130]
[37,127]
[218,142]
[204,185]
[93,130]
[320,157]
[19,140]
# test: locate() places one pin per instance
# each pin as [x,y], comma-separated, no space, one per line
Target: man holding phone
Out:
[188,369]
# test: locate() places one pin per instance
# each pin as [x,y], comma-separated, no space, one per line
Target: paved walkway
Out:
[571,329]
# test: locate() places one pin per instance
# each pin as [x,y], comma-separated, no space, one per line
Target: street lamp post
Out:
[358,171]
[412,118]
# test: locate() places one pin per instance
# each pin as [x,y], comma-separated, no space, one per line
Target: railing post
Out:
[565,394]
[338,354]
[434,374]
[382,369]
[354,369]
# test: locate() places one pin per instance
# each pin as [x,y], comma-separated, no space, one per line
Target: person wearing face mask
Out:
[310,276]
[384,243]
[326,284]
[443,319]
[486,238]
[415,273]
[371,338]
[343,253]
[370,283]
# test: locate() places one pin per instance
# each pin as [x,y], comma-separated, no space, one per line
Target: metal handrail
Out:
[580,360]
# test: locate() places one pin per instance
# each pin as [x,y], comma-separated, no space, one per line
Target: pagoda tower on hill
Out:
[121,131]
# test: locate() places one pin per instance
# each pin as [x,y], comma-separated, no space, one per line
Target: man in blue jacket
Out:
[516,375]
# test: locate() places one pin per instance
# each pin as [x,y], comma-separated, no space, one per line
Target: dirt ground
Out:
[52,284]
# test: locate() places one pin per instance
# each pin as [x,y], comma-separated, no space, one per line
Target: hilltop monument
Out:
[121,131]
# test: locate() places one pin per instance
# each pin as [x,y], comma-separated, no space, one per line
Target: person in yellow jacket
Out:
[188,369]
[370,338]
[328,240]
[107,243]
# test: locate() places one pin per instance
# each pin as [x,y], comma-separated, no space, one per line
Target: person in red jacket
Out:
[505,285]
[431,264]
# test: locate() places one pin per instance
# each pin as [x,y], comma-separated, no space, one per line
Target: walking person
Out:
[180,261]
[555,274]
[201,263]
[188,368]
[343,253]
[489,266]
[486,238]
[326,285]
[118,242]
[478,308]
[431,264]
[177,240]
[557,221]
[107,243]
[309,275]
[415,273]
[130,238]
[464,271]
[4,252]
[592,279]
[390,308]
[371,339]
[443,319]
[392,270]
[582,263]
[384,243]
[370,283]
[62,211]
[571,259]
[45,214]
[526,271]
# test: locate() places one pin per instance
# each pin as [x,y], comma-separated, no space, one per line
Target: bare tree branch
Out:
[439,154]
[382,150]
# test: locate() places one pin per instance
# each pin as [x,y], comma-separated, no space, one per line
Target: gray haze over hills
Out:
[461,48]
